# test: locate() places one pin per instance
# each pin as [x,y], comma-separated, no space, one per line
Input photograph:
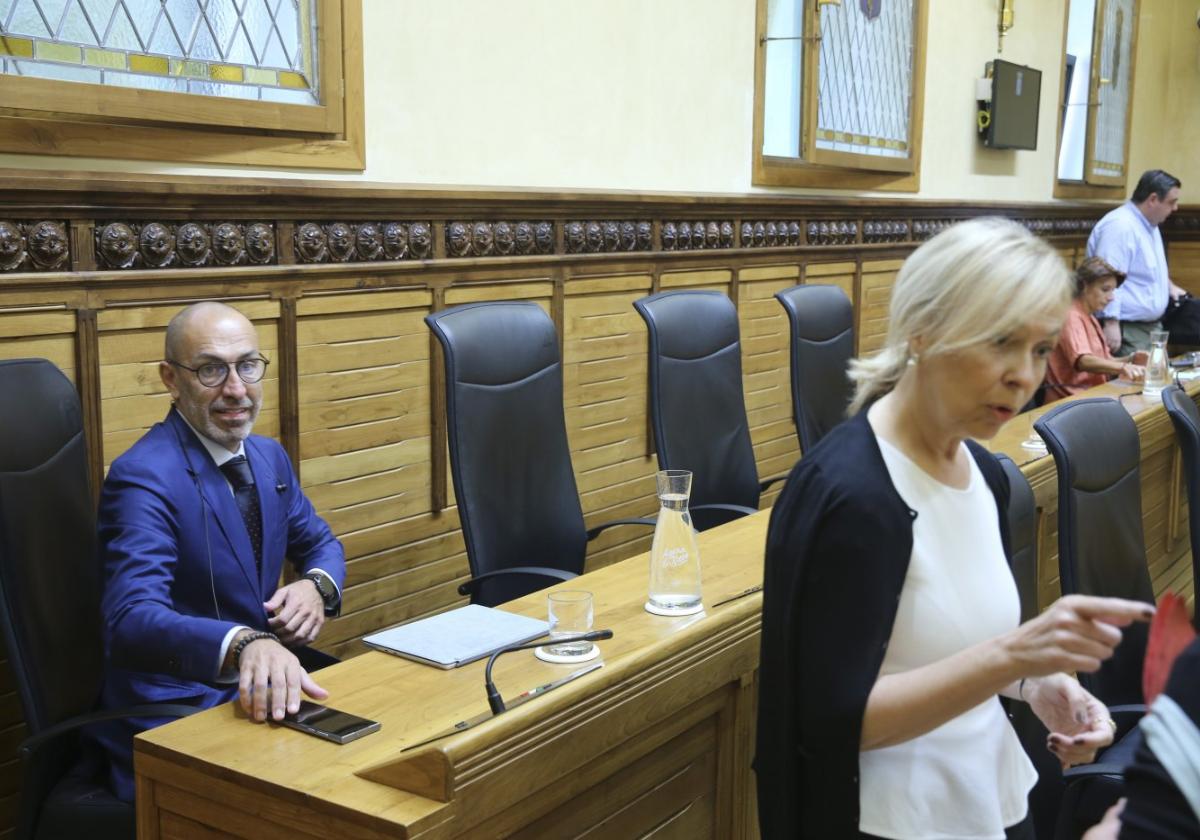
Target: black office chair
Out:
[697,408]
[509,454]
[1022,532]
[50,606]
[822,323]
[1186,419]
[1101,551]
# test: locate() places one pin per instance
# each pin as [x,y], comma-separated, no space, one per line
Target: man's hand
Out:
[1177,291]
[296,613]
[1112,334]
[270,680]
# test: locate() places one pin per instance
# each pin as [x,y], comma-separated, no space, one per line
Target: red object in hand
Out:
[1170,632]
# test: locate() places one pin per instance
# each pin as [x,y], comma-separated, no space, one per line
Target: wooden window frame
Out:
[89,120]
[1101,188]
[829,169]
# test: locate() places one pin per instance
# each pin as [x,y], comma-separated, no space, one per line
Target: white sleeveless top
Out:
[969,778]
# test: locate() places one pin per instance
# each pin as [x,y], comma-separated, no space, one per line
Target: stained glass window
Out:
[246,49]
[865,79]
[838,82]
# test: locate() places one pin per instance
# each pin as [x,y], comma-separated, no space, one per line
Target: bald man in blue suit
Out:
[193,553]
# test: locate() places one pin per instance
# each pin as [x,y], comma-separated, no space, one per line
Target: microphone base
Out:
[558,659]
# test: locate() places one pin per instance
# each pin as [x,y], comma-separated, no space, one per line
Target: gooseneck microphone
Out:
[494,699]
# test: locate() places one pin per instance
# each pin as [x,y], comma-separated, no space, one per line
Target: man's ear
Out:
[166,372]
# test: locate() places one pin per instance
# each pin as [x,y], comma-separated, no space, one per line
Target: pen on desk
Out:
[544,687]
[741,594]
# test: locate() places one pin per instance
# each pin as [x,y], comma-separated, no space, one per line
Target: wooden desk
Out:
[661,736]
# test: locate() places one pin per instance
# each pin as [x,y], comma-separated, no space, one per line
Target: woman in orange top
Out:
[1081,359]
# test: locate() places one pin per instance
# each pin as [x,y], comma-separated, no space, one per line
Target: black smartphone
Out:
[330,724]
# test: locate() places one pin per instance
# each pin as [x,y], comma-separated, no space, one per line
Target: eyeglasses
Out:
[214,374]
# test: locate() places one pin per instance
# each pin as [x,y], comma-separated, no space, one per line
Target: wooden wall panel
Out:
[877,279]
[1184,261]
[604,381]
[364,422]
[46,334]
[765,370]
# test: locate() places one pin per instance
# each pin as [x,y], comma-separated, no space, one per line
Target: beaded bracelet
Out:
[243,642]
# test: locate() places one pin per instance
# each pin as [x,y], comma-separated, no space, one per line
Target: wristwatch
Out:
[327,591]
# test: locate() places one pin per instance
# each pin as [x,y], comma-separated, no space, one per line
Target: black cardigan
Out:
[838,549]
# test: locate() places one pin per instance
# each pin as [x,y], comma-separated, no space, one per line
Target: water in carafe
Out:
[1158,370]
[674,557]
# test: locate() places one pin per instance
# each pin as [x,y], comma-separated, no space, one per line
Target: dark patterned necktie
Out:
[237,470]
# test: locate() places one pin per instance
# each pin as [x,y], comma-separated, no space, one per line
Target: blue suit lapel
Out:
[215,491]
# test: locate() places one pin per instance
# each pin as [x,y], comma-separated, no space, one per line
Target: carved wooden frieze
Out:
[607,236]
[1073,226]
[832,232]
[184,244]
[697,235]
[923,229]
[885,230]
[371,241]
[776,234]
[499,239]
[33,246]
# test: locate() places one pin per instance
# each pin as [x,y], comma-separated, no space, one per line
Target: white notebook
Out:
[456,637]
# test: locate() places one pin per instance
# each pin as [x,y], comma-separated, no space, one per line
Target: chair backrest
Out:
[1186,419]
[1022,535]
[697,409]
[49,568]
[822,322]
[1101,547]
[509,454]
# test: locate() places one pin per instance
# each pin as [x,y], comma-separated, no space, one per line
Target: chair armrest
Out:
[595,532]
[1126,718]
[541,571]
[34,742]
[765,483]
[738,509]
[1087,771]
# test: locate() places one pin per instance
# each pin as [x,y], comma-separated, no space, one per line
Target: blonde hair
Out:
[974,282]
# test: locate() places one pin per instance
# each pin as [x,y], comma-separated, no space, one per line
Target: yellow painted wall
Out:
[658,95]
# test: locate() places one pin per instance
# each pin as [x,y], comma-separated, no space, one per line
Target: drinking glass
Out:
[571,613]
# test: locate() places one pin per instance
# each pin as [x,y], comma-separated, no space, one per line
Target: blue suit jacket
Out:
[179,571]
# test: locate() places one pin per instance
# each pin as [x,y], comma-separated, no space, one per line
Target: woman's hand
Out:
[1132,372]
[1077,633]
[1139,357]
[1079,724]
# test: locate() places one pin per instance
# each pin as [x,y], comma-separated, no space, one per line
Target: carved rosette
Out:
[370,241]
[691,235]
[923,229]
[152,245]
[606,236]
[769,234]
[885,230]
[833,232]
[12,246]
[499,239]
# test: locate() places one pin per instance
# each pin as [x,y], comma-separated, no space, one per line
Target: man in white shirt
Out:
[1128,238]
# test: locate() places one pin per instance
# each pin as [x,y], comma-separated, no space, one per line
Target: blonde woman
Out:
[890,617]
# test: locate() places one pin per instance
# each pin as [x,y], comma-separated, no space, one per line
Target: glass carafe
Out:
[674,557]
[1158,369]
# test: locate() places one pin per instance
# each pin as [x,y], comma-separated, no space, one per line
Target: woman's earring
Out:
[913,358]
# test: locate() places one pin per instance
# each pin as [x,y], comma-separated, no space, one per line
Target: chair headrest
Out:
[474,331]
[692,324]
[39,413]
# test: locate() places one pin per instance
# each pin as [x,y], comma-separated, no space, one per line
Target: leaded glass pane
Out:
[237,48]
[1116,39]
[865,78]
